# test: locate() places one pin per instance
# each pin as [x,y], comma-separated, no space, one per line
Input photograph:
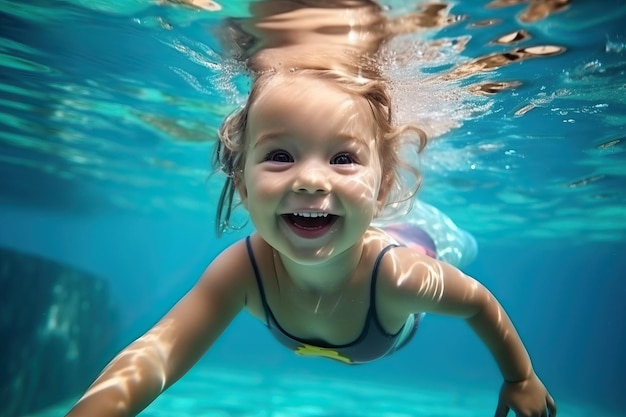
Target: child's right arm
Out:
[152,363]
[428,285]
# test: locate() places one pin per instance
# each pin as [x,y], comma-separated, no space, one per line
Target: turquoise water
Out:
[232,392]
[108,117]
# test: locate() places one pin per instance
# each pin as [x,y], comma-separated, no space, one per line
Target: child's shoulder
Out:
[378,238]
[380,247]
[232,261]
[394,258]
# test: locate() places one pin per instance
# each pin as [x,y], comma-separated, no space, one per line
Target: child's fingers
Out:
[551,406]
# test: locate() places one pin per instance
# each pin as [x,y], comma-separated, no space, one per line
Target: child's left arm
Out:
[433,286]
[522,391]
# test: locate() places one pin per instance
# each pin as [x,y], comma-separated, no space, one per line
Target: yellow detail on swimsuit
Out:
[308,350]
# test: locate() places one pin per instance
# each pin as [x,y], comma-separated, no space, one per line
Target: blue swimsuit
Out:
[372,344]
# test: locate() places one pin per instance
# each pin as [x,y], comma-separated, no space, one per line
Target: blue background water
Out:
[107,119]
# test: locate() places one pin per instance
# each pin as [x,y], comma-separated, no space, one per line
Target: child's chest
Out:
[333,314]
[334,317]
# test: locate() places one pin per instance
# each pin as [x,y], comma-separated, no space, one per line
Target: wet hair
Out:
[397,146]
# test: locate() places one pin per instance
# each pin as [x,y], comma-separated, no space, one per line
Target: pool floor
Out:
[211,392]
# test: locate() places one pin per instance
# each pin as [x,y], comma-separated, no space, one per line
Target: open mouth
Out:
[310,222]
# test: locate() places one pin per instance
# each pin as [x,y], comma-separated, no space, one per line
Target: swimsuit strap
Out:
[379,258]
[257,275]
[373,315]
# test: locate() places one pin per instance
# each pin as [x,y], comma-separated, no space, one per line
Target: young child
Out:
[315,157]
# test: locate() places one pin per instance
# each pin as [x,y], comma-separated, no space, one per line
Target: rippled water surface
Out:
[121,100]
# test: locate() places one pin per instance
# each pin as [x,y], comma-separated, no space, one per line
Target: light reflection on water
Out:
[126,97]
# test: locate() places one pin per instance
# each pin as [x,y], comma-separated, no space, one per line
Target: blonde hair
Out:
[401,176]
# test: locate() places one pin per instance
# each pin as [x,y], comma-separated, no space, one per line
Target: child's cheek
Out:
[368,184]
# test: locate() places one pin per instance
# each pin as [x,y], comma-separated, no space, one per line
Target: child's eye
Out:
[279,156]
[342,159]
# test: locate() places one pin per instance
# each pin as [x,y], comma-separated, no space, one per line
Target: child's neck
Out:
[325,277]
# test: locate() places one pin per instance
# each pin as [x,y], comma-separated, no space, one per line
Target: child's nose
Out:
[312,178]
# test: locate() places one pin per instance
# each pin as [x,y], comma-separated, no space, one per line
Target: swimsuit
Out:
[412,236]
[373,343]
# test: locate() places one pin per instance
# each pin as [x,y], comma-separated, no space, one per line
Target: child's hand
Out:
[527,398]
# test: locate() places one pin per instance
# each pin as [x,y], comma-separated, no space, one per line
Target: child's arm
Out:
[433,286]
[522,391]
[156,360]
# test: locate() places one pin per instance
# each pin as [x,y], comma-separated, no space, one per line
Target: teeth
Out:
[310,214]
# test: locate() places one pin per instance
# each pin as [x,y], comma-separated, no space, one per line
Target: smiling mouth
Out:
[310,221]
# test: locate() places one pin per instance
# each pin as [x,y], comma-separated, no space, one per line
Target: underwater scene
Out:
[110,199]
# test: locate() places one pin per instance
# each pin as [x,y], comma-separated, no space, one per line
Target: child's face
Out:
[312,175]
